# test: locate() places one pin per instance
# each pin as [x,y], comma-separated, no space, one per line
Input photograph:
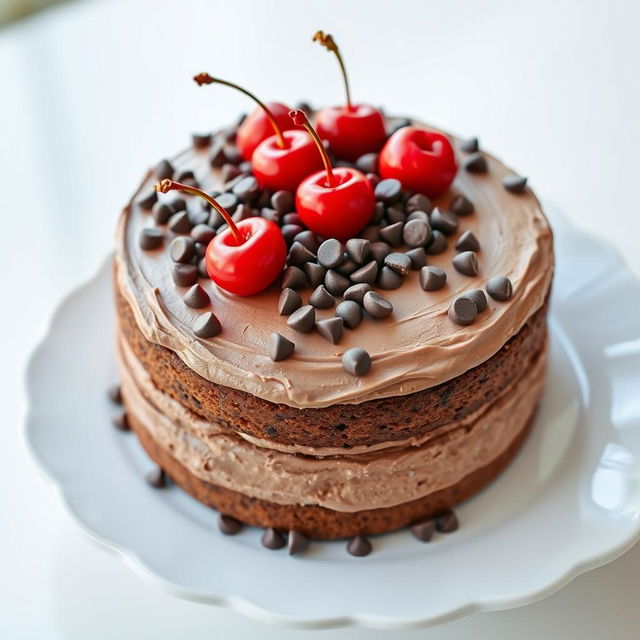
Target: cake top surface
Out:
[416,347]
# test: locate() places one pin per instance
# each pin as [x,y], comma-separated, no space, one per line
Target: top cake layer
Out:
[415,348]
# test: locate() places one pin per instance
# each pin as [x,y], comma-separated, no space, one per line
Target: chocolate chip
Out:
[500,288]
[289,301]
[179,204]
[216,220]
[207,326]
[330,253]
[196,297]
[370,233]
[228,525]
[399,262]
[423,530]
[294,278]
[330,329]
[447,522]
[418,202]
[184,275]
[199,217]
[242,213]
[350,312]
[444,221]
[270,214]
[121,422]
[376,305]
[356,361]
[200,250]
[164,170]
[180,223]
[466,263]
[315,273]
[437,244]
[202,269]
[151,238]
[161,212]
[290,231]
[514,184]
[470,145]
[394,214]
[335,283]
[302,319]
[368,163]
[272,539]
[356,292]
[461,206]
[397,124]
[278,347]
[232,154]
[229,172]
[432,278]
[298,542]
[203,233]
[392,234]
[418,257]
[148,199]
[389,279]
[228,201]
[308,239]
[366,274]
[388,191]
[185,174]
[478,297]
[378,213]
[283,201]
[347,266]
[379,251]
[359,546]
[292,218]
[201,140]
[247,189]
[476,163]
[182,249]
[468,242]
[299,254]
[156,478]
[358,249]
[463,311]
[115,393]
[321,298]
[246,168]
[217,158]
[419,215]
[416,233]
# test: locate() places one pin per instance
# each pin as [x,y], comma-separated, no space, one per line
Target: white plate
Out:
[569,502]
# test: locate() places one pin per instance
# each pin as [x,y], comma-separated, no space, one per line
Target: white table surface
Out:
[93,93]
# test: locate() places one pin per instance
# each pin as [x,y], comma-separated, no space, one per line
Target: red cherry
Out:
[245,258]
[351,131]
[337,211]
[335,203]
[278,168]
[423,160]
[257,127]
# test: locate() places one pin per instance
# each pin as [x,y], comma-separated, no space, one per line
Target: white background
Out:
[93,93]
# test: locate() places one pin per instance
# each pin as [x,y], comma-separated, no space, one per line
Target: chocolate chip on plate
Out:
[157,478]
[121,422]
[347,266]
[283,201]
[358,249]
[356,361]
[463,311]
[395,214]
[302,319]
[478,297]
[203,233]
[470,145]
[299,254]
[161,212]
[419,215]
[366,274]
[350,312]
[292,218]
[514,184]
[315,273]
[444,221]
[308,239]
[399,262]
[196,297]
[298,542]
[500,288]
[330,253]
[423,530]
[368,163]
[272,539]
[201,140]
[207,325]
[278,347]
[476,163]
[376,305]
[437,244]
[379,251]
[294,278]
[115,393]
[371,233]
[228,525]
[432,278]
[416,233]
[446,522]
[359,546]
[202,269]
[388,191]
[290,231]
[418,202]
[392,234]
[184,275]
[289,301]
[389,279]
[418,257]
[180,222]
[182,249]
[151,238]
[321,298]
[468,242]
[356,292]
[148,199]
[466,263]
[461,206]
[330,329]
[164,170]
[335,283]
[247,189]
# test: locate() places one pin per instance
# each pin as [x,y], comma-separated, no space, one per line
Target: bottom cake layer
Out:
[453,464]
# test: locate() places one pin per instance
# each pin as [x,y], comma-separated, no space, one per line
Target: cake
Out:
[379,380]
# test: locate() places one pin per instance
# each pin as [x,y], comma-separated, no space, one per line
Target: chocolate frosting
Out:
[417,347]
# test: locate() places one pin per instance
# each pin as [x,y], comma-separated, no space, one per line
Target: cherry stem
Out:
[205,78]
[327,41]
[300,120]
[169,185]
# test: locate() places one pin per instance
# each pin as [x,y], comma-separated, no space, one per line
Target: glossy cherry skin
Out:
[351,132]
[250,267]
[284,169]
[339,211]
[423,160]
[256,127]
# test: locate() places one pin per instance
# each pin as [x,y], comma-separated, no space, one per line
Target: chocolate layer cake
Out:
[296,439]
